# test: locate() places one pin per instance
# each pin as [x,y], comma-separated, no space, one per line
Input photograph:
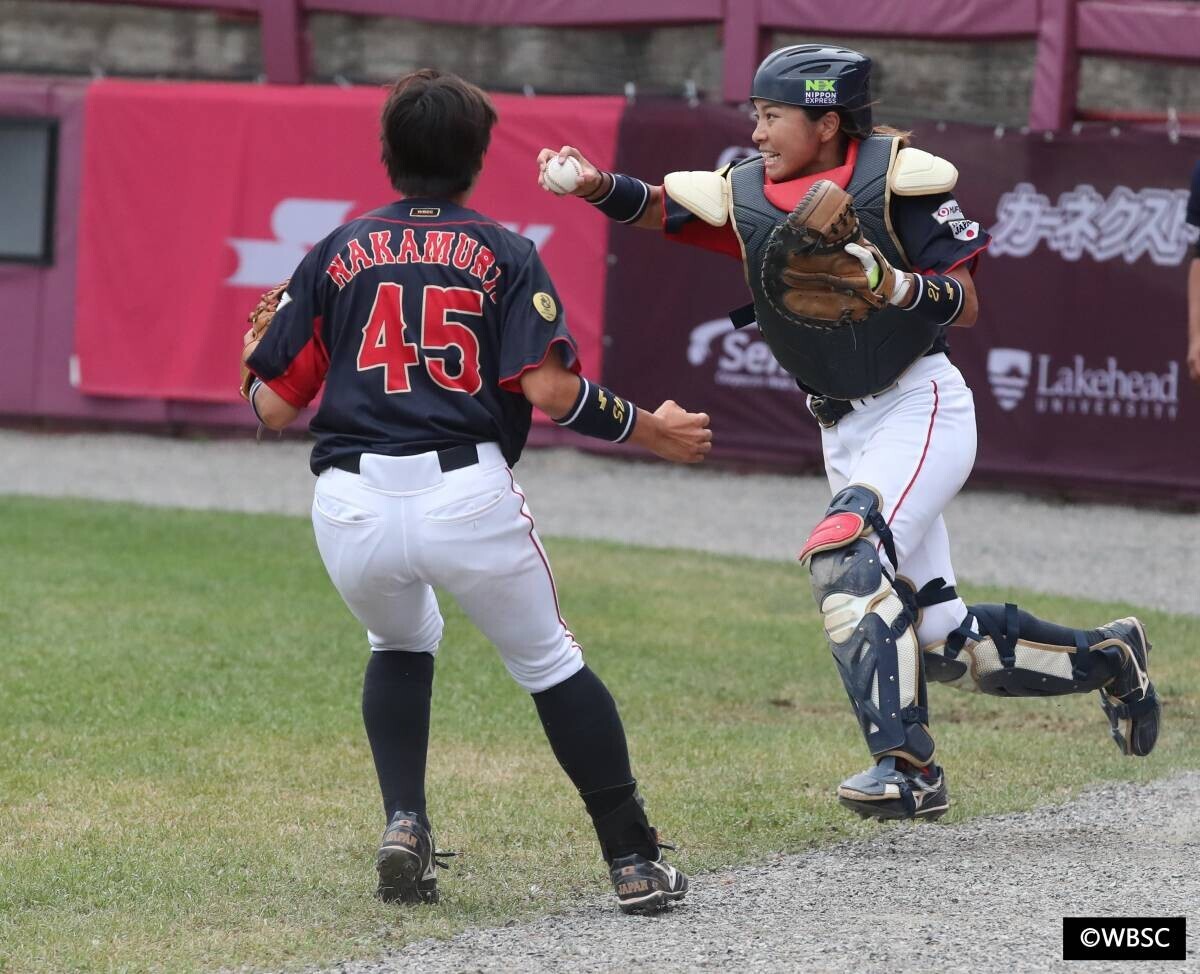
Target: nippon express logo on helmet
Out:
[820,91]
[1124,938]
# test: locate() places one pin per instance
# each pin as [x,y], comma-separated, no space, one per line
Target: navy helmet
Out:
[815,76]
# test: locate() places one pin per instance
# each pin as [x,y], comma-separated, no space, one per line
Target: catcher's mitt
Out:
[807,273]
[260,320]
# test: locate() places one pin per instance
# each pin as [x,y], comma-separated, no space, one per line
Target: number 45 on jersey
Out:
[385,344]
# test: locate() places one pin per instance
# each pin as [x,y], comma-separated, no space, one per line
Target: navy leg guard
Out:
[1009,653]
[873,640]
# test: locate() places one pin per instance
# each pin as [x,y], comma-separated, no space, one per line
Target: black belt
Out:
[451,458]
[829,411]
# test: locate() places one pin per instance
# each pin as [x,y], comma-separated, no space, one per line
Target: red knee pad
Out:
[835,531]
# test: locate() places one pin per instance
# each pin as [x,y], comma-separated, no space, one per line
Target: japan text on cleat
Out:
[893,790]
[645,886]
[1129,700]
[407,863]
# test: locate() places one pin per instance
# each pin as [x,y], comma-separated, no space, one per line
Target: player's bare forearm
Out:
[652,219]
[970,310]
[670,431]
[551,387]
[273,410]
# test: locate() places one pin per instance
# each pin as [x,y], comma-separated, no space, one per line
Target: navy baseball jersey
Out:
[419,318]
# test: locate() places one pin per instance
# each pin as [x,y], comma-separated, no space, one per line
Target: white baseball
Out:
[562,175]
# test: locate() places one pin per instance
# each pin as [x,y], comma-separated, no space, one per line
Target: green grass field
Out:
[185,783]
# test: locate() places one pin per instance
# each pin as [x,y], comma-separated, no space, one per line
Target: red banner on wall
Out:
[197,197]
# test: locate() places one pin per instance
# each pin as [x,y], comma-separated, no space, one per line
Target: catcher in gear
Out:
[832,220]
[432,352]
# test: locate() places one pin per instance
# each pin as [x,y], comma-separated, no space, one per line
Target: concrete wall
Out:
[48,37]
[918,79]
[562,60]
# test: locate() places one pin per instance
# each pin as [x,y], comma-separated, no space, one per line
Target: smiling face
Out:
[792,144]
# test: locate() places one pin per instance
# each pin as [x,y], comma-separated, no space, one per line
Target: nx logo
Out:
[299,223]
[1008,372]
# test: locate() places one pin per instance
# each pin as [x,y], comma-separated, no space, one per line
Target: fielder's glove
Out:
[260,320]
[820,271]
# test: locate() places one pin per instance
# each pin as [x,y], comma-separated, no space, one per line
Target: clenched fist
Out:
[674,433]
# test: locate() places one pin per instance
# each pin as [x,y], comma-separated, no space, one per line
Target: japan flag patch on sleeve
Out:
[964,229]
[951,213]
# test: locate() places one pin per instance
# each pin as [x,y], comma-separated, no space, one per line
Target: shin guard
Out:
[870,629]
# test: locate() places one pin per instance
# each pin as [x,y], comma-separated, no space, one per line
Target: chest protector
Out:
[861,358]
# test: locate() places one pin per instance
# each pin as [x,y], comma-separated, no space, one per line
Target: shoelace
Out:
[660,841]
[439,857]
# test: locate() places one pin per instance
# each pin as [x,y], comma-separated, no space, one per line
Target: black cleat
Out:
[893,791]
[1130,701]
[407,863]
[646,886]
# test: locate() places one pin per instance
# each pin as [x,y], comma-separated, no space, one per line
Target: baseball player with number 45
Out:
[434,330]
[859,260]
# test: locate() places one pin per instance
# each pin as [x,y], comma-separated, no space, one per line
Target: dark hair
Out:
[904,136]
[434,131]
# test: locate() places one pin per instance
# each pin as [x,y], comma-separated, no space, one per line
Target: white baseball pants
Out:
[915,445]
[400,526]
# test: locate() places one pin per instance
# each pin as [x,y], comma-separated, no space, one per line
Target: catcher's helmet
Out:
[814,76]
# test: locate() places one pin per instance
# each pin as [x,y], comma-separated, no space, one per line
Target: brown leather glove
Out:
[260,320]
[808,275]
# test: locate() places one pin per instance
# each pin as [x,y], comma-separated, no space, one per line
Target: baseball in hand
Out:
[562,175]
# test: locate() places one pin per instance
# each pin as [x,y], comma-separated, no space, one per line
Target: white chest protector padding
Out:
[706,194]
[920,173]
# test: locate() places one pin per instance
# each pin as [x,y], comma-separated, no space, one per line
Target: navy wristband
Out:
[598,412]
[939,298]
[626,200]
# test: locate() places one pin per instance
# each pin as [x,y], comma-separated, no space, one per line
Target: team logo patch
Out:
[950,210]
[545,306]
[425,211]
[964,229]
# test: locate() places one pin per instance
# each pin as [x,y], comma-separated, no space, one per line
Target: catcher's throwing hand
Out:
[820,270]
[260,320]
[674,433]
[590,179]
